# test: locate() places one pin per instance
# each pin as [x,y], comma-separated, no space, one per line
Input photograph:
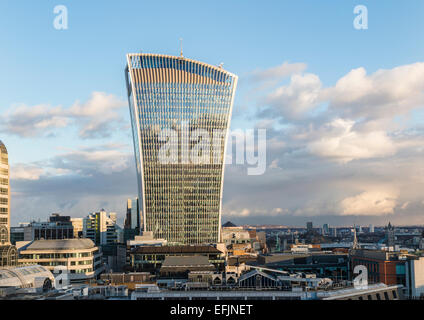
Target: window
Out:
[378,296]
[386,296]
[394,294]
[369,297]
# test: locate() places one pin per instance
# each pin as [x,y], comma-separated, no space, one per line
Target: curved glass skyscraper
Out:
[180,114]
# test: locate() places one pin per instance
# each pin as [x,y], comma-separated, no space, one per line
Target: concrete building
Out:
[240,241]
[181,196]
[4,196]
[102,228]
[80,256]
[235,235]
[150,259]
[58,227]
[8,253]
[415,278]
[78,225]
[181,266]
[130,279]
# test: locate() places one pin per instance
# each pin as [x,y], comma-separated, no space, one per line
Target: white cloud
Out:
[341,143]
[97,114]
[26,172]
[385,93]
[370,203]
[277,73]
[294,100]
[239,213]
[94,118]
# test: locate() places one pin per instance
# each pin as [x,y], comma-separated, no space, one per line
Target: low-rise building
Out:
[102,228]
[151,258]
[81,257]
[392,268]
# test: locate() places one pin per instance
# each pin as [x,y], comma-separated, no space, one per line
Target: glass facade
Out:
[181,199]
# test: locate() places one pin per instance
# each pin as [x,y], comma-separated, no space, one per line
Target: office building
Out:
[181,101]
[4,196]
[58,227]
[78,225]
[80,256]
[309,226]
[101,228]
[392,268]
[151,258]
[8,252]
[132,224]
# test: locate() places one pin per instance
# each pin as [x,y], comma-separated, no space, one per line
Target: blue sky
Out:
[44,66]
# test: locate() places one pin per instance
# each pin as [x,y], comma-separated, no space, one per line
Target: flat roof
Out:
[176,249]
[62,244]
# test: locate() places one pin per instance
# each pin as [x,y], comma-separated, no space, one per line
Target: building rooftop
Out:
[62,244]
[176,249]
[184,261]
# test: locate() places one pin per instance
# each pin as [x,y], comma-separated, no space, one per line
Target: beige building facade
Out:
[81,257]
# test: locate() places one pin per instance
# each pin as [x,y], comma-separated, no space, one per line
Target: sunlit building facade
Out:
[180,200]
[4,196]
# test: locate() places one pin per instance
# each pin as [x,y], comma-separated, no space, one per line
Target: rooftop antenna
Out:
[221,64]
[181,45]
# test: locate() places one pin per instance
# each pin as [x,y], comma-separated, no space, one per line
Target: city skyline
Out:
[343,108]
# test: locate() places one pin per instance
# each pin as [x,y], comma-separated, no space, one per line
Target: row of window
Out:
[57,255]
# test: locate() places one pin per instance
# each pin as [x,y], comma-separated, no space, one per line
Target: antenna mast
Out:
[181,45]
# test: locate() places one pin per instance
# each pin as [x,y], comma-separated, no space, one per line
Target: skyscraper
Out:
[4,196]
[179,98]
[132,223]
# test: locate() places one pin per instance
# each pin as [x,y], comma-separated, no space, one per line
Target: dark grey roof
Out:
[179,261]
[186,249]
[228,224]
[61,244]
